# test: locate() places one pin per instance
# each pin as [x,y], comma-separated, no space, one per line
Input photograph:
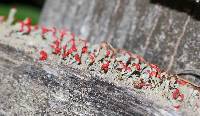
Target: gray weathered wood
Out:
[28,88]
[165,32]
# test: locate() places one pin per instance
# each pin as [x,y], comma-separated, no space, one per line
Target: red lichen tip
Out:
[137,66]
[43,55]
[77,58]
[27,21]
[84,49]
[176,94]
[105,66]
[181,82]
[177,107]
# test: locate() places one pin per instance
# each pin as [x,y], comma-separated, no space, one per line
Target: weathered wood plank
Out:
[165,32]
[30,88]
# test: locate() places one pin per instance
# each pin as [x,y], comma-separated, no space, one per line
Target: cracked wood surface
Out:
[164,32]
[177,44]
[32,88]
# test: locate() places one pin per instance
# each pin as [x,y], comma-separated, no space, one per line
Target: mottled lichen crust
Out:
[117,66]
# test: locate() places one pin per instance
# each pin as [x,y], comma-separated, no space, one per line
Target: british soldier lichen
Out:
[116,64]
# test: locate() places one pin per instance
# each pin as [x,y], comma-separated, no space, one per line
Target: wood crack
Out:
[151,32]
[177,44]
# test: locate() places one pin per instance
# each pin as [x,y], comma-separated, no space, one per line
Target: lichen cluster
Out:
[115,64]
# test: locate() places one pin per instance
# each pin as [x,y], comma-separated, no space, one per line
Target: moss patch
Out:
[22,12]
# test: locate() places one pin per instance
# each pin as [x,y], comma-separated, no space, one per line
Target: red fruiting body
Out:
[181,82]
[105,66]
[128,69]
[27,21]
[22,26]
[57,50]
[158,75]
[175,94]
[70,51]
[43,55]
[177,106]
[44,30]
[64,48]
[155,67]
[65,54]
[62,34]
[72,41]
[137,66]
[181,96]
[107,53]
[84,49]
[29,29]
[74,48]
[153,74]
[92,57]
[77,58]
[57,42]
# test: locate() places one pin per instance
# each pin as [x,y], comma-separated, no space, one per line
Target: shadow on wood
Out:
[188,6]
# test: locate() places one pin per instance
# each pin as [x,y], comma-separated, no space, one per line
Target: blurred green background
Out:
[25,8]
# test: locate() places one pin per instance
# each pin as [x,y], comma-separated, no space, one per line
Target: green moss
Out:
[22,12]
